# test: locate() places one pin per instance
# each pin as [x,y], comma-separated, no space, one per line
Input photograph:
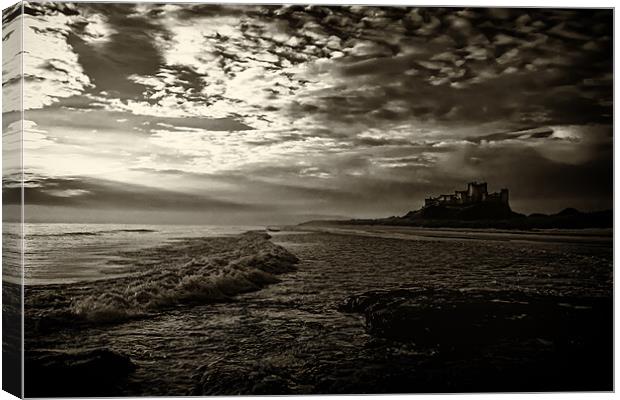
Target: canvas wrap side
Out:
[12,204]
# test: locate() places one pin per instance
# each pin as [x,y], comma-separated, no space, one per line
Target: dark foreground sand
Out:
[361,312]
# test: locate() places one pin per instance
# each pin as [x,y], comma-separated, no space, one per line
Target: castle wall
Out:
[475,193]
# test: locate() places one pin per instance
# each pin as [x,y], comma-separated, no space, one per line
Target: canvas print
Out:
[222,199]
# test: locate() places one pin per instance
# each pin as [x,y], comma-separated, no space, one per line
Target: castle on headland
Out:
[475,193]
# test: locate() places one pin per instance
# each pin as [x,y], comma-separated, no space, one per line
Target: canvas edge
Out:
[12,209]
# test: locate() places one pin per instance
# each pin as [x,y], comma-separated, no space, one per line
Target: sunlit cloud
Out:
[51,67]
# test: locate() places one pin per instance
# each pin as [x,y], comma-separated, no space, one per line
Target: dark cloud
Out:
[516,67]
[9,14]
[92,118]
[129,50]
[528,133]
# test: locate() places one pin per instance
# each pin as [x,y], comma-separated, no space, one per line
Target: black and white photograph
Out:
[307,199]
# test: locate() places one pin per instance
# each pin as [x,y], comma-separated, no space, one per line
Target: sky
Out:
[254,114]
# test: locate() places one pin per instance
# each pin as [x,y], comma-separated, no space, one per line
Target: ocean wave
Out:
[11,235]
[91,233]
[138,230]
[66,234]
[217,270]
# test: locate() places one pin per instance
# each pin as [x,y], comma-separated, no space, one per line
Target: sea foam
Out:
[190,272]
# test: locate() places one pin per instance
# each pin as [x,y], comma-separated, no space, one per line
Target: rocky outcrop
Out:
[92,372]
[479,211]
[452,317]
[496,340]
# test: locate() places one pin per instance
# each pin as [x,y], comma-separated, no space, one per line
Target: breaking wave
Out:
[93,233]
[195,271]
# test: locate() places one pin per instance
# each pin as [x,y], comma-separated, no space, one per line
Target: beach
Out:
[259,313]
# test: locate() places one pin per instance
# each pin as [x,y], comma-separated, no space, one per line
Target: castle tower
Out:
[477,192]
[503,195]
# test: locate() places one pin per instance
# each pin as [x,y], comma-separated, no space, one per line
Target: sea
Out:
[68,253]
[278,328]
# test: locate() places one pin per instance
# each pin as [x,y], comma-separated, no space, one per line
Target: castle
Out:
[475,193]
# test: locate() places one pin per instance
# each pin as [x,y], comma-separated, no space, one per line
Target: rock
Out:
[481,340]
[453,317]
[94,372]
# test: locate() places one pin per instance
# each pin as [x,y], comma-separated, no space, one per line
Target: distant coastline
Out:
[475,208]
[442,217]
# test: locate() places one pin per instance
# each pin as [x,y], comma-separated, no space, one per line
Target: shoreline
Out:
[602,236]
[594,231]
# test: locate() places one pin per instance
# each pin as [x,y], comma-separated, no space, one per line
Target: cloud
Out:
[256,64]
[97,30]
[67,192]
[51,67]
[250,63]
[210,151]
[522,134]
[11,61]
[82,192]
[371,106]
[33,137]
